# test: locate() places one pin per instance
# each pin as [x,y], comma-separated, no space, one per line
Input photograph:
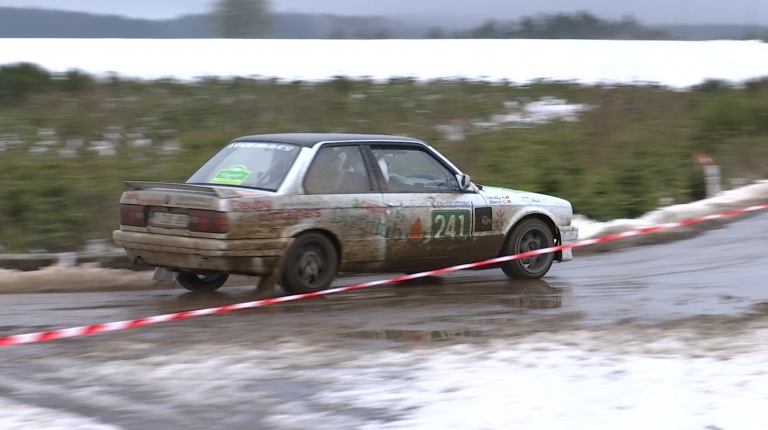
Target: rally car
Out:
[300,208]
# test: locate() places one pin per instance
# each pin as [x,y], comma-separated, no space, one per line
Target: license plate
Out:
[170,220]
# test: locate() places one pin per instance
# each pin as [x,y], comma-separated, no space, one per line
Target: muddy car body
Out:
[301,207]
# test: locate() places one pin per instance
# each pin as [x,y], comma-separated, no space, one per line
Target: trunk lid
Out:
[181,209]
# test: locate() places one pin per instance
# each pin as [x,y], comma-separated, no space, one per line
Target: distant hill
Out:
[716,31]
[24,22]
[44,23]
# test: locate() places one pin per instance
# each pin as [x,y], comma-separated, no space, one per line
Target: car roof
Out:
[311,139]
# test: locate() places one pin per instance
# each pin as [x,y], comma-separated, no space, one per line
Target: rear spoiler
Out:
[220,192]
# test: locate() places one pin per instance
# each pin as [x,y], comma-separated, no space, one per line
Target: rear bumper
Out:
[568,235]
[247,257]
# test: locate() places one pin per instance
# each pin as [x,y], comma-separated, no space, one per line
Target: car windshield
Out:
[256,165]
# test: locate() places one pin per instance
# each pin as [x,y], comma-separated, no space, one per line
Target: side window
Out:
[337,170]
[413,170]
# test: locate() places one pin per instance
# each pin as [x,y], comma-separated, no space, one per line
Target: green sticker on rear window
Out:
[235,175]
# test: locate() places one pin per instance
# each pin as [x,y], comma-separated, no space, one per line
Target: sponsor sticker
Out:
[250,205]
[416,234]
[499,200]
[483,219]
[235,175]
[290,215]
[190,201]
[145,201]
[449,203]
[252,145]
[371,207]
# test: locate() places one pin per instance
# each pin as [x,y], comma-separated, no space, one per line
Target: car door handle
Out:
[395,205]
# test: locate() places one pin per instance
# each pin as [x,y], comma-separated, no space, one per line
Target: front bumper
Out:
[568,235]
[246,257]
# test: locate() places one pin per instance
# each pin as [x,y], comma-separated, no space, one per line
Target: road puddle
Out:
[416,335]
[534,302]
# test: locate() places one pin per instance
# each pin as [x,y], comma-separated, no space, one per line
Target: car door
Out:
[429,220]
[353,208]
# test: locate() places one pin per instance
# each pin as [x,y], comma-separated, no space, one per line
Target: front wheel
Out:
[529,235]
[310,264]
[203,283]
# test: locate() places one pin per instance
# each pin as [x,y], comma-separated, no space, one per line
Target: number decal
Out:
[450,231]
[439,219]
[450,224]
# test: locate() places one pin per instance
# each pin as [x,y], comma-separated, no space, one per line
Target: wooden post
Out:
[712,179]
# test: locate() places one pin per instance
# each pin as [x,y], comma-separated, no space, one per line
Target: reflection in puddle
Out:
[534,294]
[534,302]
[415,335]
[529,294]
[191,301]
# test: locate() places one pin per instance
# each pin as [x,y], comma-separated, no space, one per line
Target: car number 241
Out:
[450,224]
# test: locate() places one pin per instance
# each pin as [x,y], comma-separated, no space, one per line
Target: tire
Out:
[310,264]
[203,283]
[529,235]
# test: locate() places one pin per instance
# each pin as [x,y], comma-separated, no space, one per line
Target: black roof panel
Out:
[311,139]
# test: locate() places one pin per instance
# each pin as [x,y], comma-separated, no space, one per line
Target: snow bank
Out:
[549,386]
[725,201]
[18,416]
[69,279]
[627,377]
[671,63]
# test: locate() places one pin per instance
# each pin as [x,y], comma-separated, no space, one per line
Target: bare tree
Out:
[240,19]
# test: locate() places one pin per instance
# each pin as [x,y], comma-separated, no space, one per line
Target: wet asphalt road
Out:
[721,272]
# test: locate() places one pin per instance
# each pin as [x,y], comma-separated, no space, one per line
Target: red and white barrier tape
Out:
[122,325]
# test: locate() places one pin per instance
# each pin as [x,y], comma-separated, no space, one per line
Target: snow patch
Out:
[559,390]
[18,416]
[746,195]
[527,114]
[608,378]
[520,114]
[62,278]
[672,63]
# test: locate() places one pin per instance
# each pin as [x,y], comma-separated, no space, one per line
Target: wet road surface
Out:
[721,273]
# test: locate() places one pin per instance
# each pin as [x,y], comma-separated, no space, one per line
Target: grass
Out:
[632,147]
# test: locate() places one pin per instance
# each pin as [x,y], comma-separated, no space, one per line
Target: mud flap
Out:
[268,282]
[164,275]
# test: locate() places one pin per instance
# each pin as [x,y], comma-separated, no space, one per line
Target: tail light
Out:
[133,215]
[208,221]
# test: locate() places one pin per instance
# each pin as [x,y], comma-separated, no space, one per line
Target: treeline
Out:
[581,25]
[716,32]
[42,23]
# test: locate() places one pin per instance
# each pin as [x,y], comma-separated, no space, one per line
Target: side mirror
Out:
[464,182]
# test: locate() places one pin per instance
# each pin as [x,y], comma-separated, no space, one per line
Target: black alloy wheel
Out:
[310,264]
[530,235]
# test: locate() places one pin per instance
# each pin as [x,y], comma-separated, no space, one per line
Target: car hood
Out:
[517,197]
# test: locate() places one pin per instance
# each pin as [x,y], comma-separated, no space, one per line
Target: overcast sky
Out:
[649,11]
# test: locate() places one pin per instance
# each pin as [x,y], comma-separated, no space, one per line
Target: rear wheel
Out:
[202,283]
[310,264]
[529,235]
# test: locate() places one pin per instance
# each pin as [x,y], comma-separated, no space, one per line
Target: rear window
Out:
[255,165]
